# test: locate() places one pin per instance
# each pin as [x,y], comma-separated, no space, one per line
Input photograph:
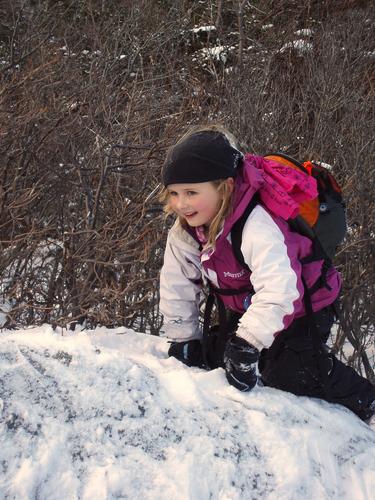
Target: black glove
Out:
[240,360]
[189,352]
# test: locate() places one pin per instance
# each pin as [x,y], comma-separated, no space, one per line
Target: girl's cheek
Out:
[172,204]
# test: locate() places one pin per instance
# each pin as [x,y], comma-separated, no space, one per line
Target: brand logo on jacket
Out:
[227,274]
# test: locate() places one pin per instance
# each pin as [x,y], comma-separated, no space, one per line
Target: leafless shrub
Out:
[92,94]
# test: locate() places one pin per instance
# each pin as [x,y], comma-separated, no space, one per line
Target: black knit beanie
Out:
[201,157]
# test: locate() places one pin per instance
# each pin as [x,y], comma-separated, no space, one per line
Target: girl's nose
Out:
[181,202]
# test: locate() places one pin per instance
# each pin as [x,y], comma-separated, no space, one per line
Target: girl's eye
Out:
[191,193]
[172,193]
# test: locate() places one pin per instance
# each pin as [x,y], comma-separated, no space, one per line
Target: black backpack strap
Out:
[231,291]
[223,332]
[227,322]
[206,325]
[317,254]
[316,340]
[237,229]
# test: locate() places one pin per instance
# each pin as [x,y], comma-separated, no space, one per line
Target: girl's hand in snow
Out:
[190,352]
[240,360]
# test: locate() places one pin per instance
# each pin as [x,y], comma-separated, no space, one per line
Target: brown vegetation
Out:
[92,94]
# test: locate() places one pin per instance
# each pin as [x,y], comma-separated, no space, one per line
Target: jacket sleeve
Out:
[180,287]
[275,276]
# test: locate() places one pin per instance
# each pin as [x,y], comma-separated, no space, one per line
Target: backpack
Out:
[322,219]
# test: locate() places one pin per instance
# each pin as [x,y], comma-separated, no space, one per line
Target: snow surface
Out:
[105,414]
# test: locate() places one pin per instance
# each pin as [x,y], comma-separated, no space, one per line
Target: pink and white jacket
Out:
[272,251]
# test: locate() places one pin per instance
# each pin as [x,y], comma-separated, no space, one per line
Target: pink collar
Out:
[199,231]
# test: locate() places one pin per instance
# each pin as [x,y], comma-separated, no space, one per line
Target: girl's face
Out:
[198,203]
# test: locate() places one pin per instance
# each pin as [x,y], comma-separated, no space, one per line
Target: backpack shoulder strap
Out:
[237,229]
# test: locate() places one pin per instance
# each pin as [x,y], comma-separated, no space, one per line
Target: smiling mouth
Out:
[190,214]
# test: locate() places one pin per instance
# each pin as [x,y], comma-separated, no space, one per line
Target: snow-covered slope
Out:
[104,415]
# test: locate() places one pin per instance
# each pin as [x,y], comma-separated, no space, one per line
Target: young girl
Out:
[266,316]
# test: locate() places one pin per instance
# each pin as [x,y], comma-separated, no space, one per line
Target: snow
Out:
[5,307]
[300,45]
[304,32]
[218,53]
[202,29]
[105,414]
[322,164]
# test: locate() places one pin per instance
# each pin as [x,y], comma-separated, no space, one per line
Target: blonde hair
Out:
[225,209]
[225,191]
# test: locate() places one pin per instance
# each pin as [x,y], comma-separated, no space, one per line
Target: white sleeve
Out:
[275,277]
[180,287]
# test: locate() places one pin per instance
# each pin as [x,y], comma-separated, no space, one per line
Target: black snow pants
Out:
[297,363]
